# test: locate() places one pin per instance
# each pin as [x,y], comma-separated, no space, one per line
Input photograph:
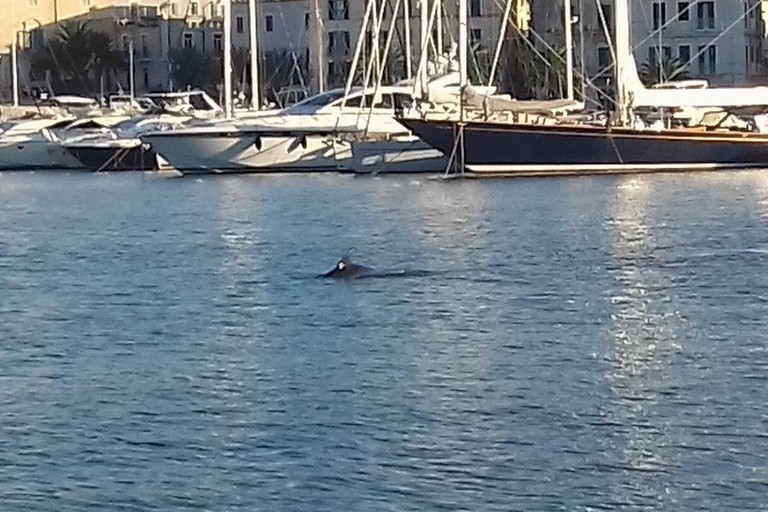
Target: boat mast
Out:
[407,49]
[227,59]
[358,49]
[622,56]
[316,24]
[424,27]
[439,36]
[14,56]
[568,27]
[254,54]
[131,71]
[15,66]
[463,77]
[582,56]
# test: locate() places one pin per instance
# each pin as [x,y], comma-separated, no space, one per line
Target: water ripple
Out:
[590,344]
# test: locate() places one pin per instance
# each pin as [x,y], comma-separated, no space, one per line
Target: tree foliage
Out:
[655,72]
[77,59]
[529,73]
[195,69]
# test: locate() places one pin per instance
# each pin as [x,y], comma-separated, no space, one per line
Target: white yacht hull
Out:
[35,154]
[242,153]
[397,156]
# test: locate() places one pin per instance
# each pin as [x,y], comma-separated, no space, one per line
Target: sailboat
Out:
[501,148]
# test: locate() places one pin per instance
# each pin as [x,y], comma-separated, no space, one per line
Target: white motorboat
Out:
[30,145]
[318,134]
[119,148]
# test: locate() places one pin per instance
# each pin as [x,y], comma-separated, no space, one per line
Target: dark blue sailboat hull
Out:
[515,149]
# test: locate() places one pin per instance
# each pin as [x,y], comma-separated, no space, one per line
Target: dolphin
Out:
[346,269]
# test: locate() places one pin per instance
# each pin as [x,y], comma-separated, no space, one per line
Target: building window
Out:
[189,40]
[683,11]
[705,15]
[338,9]
[475,8]
[653,54]
[684,54]
[85,3]
[146,78]
[338,43]
[603,57]
[174,8]
[144,46]
[125,42]
[476,35]
[338,72]
[707,60]
[659,15]
[270,22]
[306,21]
[217,42]
[239,24]
[33,3]
[193,8]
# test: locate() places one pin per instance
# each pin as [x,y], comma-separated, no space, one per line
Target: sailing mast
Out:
[568,27]
[424,27]
[14,56]
[227,58]
[253,40]
[407,49]
[15,71]
[621,57]
[463,77]
[316,24]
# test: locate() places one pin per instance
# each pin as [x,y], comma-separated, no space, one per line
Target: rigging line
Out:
[424,50]
[583,76]
[606,30]
[729,27]
[384,57]
[375,51]
[499,44]
[665,25]
[556,55]
[296,68]
[673,18]
[398,30]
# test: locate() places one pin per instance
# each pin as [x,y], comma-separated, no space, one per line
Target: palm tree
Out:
[536,74]
[655,72]
[77,59]
[193,68]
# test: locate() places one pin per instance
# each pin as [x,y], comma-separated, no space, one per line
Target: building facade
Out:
[325,37]
[717,40]
[720,40]
[154,29]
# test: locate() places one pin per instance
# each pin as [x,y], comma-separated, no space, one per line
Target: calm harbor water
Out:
[564,344]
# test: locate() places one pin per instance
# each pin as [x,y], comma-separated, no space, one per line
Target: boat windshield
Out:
[316,102]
